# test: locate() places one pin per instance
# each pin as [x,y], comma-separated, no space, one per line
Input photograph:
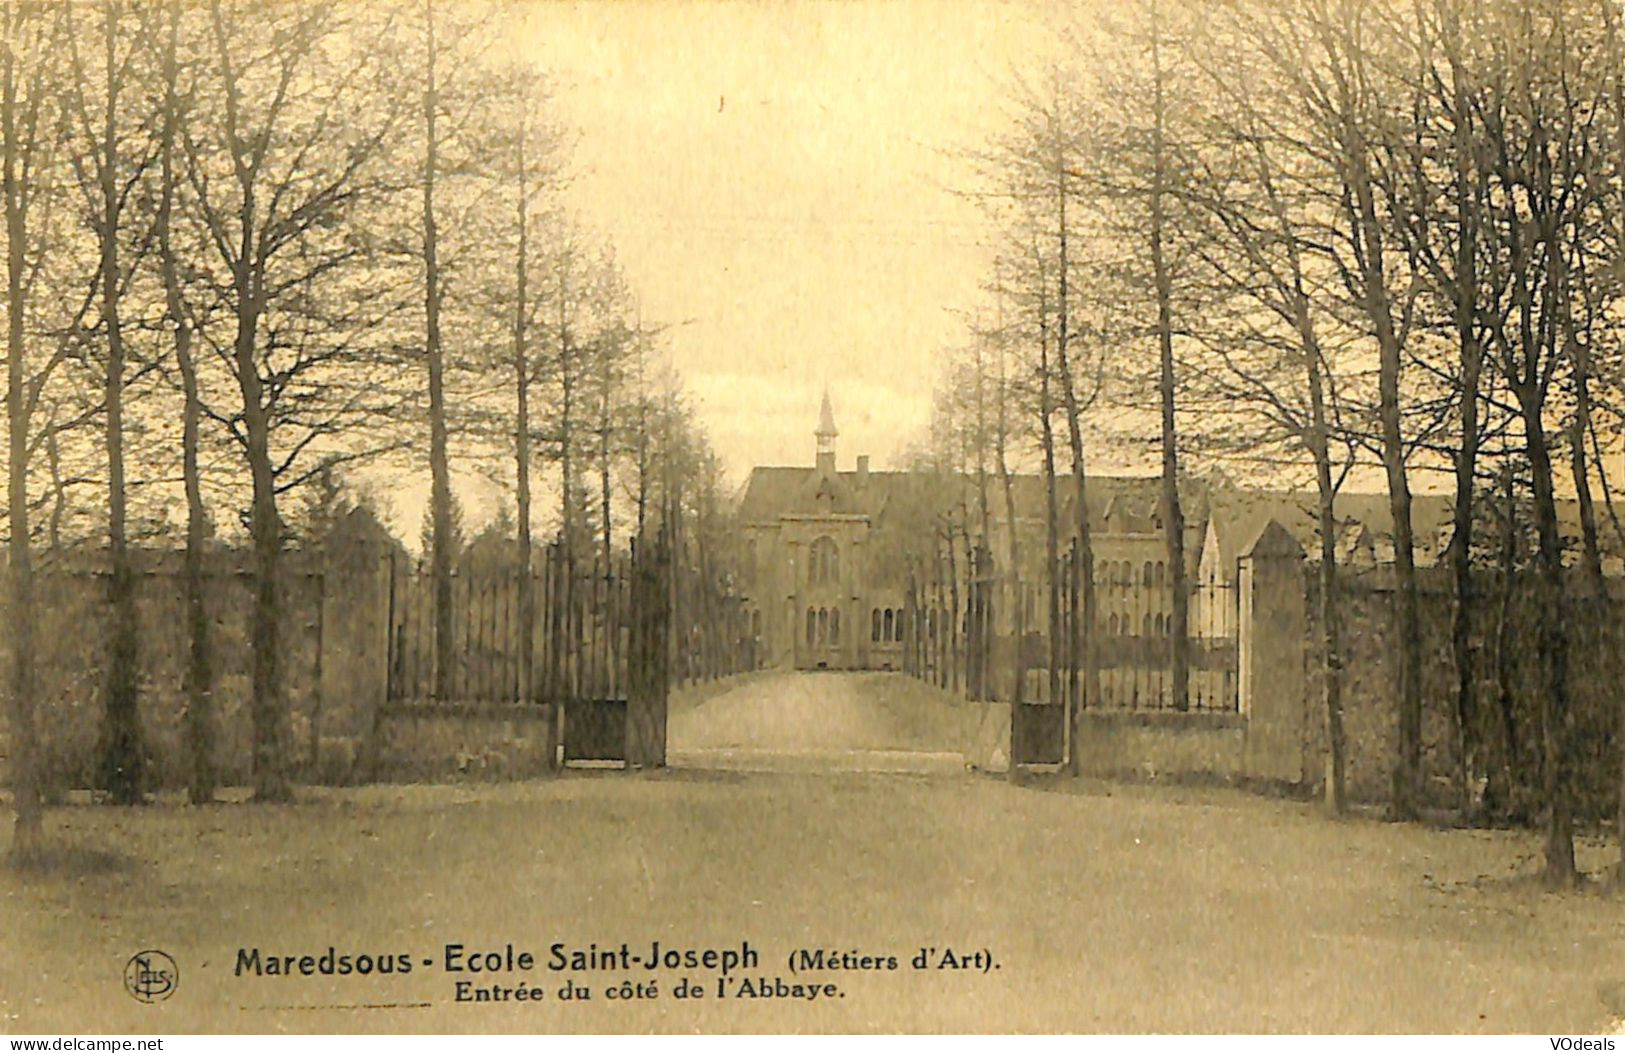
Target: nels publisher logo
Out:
[151,976]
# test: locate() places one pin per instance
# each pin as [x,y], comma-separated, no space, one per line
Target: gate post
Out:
[1271,632]
[647,670]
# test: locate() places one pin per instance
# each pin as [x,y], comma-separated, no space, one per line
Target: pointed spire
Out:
[826,420]
[826,437]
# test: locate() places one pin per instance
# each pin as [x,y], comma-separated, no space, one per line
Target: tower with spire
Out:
[825,435]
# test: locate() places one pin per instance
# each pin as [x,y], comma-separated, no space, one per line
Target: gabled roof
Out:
[773,492]
[1132,502]
[1365,523]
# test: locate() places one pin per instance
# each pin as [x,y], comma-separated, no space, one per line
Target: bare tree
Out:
[162,37]
[455,91]
[1269,354]
[27,96]
[281,162]
[108,166]
[1139,107]
[1323,54]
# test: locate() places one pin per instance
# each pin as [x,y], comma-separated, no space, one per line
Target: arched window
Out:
[835,626]
[891,625]
[812,626]
[1145,626]
[1145,576]
[874,625]
[824,562]
[1111,624]
[823,626]
[1160,571]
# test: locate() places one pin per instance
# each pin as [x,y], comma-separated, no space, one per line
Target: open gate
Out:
[581,645]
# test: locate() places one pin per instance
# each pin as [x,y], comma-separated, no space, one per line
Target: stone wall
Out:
[1278,736]
[1505,671]
[333,654]
[1148,744]
[420,745]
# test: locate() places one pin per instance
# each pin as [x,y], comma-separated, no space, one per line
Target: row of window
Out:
[824,567]
[886,625]
[889,625]
[823,627]
[1121,572]
[1150,625]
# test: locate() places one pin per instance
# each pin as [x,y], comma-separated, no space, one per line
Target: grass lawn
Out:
[1107,908]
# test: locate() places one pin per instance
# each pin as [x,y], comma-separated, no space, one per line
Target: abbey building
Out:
[830,552]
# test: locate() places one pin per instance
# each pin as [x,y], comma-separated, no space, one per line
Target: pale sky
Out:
[777,180]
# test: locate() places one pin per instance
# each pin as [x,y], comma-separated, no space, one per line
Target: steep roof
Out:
[1117,503]
[774,492]
[1364,521]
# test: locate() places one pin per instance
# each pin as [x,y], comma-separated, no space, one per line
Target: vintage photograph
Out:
[774,516]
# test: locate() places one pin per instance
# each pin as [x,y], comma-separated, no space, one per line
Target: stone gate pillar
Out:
[356,564]
[1271,638]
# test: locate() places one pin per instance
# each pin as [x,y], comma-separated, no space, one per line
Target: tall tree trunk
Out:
[567,485]
[605,426]
[439,466]
[1052,544]
[1590,541]
[642,444]
[122,748]
[1083,628]
[1464,294]
[1330,600]
[1016,592]
[1592,597]
[1538,339]
[199,666]
[1174,523]
[1552,637]
[1461,561]
[266,712]
[981,635]
[27,842]
[521,372]
[1318,439]
[59,488]
[1503,776]
[1466,594]
[265,705]
[955,648]
[1407,774]
[199,672]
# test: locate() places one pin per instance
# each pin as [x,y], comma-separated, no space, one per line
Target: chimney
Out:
[863,470]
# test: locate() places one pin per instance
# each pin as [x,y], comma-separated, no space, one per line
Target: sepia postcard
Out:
[879,517]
